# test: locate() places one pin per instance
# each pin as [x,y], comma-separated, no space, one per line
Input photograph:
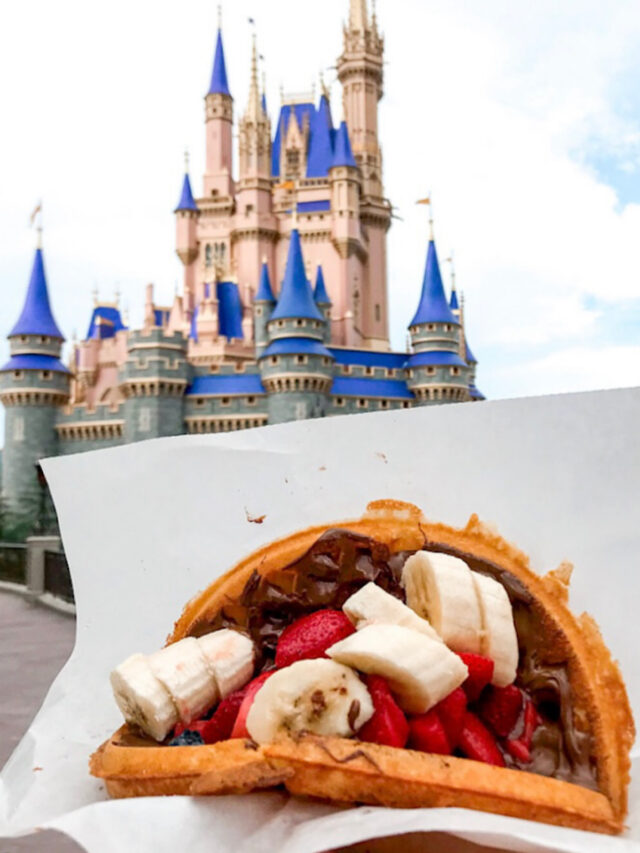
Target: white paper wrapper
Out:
[146,526]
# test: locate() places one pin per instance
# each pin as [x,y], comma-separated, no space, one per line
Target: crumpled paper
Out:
[146,526]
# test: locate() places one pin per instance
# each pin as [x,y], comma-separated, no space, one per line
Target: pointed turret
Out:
[453,302]
[254,141]
[219,83]
[343,155]
[433,306]
[186,201]
[358,15]
[320,294]
[254,107]
[36,317]
[296,298]
[218,179]
[263,304]
[321,149]
[33,384]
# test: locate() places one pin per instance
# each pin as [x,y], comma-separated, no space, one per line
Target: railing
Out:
[57,579]
[13,562]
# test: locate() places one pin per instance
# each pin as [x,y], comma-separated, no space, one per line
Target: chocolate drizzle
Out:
[340,562]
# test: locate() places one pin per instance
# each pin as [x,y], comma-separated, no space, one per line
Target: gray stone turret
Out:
[153,381]
[263,305]
[296,367]
[435,371]
[33,383]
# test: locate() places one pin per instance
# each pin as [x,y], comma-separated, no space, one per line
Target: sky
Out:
[521,119]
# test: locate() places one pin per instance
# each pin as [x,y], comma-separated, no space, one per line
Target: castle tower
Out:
[218,180]
[186,237]
[153,381]
[296,367]
[360,70]
[457,309]
[322,300]
[263,305]
[435,371]
[33,384]
[256,226]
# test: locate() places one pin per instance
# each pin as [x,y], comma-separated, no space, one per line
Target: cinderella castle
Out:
[283,313]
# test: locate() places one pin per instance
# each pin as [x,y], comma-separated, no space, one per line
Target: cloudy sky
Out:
[523,119]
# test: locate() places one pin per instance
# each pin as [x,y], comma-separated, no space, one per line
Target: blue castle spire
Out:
[219,84]
[320,294]
[321,148]
[343,155]
[264,292]
[433,306]
[186,197]
[36,317]
[453,302]
[296,298]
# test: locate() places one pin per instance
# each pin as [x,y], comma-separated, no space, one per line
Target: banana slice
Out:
[142,699]
[318,696]
[372,604]
[499,639]
[182,669]
[229,658]
[440,588]
[420,671]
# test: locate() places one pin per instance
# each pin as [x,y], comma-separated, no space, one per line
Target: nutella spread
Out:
[341,562]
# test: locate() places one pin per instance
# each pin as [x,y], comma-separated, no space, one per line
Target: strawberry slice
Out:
[222,722]
[311,636]
[240,725]
[500,709]
[388,726]
[427,734]
[451,712]
[520,748]
[480,674]
[477,742]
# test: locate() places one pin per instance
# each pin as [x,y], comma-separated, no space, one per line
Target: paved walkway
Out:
[34,644]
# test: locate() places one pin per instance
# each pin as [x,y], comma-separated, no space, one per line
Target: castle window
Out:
[239,367]
[346,368]
[384,404]
[405,404]
[251,401]
[214,192]
[248,209]
[293,163]
[410,374]
[363,404]
[225,401]
[377,311]
[301,359]
[213,368]
[280,324]
[300,323]
[368,371]
[455,371]
[258,310]
[23,338]
[199,402]
[431,371]
[339,401]
[390,371]
[43,339]
[18,428]
[274,359]
[326,361]
[18,374]
[208,255]
[431,327]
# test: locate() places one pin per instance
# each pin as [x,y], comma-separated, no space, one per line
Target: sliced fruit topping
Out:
[477,742]
[319,696]
[143,700]
[420,671]
[451,712]
[499,638]
[189,737]
[440,588]
[311,636]
[388,725]
[480,674]
[240,724]
[520,748]
[427,734]
[372,604]
[500,708]
[182,669]
[229,656]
